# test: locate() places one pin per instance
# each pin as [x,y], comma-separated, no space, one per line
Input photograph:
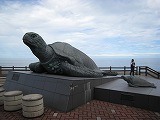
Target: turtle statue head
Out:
[35,42]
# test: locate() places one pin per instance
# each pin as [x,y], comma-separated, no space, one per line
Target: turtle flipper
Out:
[78,71]
[131,85]
[36,67]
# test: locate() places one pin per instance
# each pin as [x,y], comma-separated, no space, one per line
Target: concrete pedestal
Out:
[59,92]
[118,91]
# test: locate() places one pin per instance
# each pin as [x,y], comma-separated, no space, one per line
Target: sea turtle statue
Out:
[134,81]
[60,58]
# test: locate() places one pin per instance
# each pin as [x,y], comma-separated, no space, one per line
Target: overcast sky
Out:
[96,27]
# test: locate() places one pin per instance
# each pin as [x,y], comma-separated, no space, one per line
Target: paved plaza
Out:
[93,110]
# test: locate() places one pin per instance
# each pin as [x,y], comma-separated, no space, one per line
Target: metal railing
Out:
[149,71]
[139,70]
[4,70]
[121,70]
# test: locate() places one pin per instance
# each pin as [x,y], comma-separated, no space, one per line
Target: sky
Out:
[99,28]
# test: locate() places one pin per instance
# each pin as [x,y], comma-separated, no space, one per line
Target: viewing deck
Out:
[117,91]
[95,109]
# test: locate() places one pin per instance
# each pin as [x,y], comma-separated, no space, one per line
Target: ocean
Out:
[153,63]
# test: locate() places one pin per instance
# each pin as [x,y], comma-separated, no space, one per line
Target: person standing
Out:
[132,67]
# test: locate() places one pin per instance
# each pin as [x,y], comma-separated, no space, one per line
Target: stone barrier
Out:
[32,105]
[2,80]
[1,95]
[13,100]
[1,85]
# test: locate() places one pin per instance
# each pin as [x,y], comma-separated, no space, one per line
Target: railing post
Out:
[110,68]
[13,68]
[25,68]
[136,70]
[146,70]
[124,70]
[139,70]
[0,70]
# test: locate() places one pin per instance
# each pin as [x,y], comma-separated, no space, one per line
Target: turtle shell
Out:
[75,56]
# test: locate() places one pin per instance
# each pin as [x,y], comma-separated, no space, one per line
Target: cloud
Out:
[96,27]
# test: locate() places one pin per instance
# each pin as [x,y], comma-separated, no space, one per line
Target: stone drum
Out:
[32,105]
[1,85]
[13,100]
[1,95]
[2,80]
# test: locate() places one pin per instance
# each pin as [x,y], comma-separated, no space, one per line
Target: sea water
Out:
[153,63]
[17,62]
